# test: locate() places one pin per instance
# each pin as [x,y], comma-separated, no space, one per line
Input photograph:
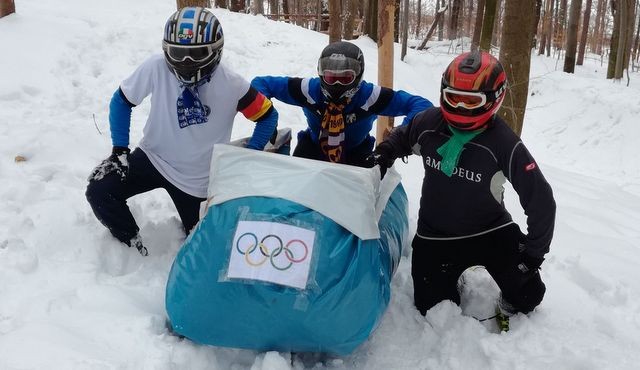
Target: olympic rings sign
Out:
[272,252]
[248,243]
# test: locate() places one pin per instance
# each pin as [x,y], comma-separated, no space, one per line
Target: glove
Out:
[380,157]
[118,163]
[527,262]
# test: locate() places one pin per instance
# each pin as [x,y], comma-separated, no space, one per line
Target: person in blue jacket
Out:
[339,106]
[194,99]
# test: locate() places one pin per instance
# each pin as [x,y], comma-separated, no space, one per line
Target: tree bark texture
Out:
[454,19]
[335,21]
[257,7]
[418,17]
[596,30]
[7,7]
[184,3]
[572,36]
[349,19]
[559,29]
[487,24]
[385,60]
[405,29]
[441,22]
[396,20]
[371,24]
[477,28]
[515,55]
[585,32]
[237,6]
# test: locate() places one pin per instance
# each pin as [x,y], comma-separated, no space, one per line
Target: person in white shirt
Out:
[194,99]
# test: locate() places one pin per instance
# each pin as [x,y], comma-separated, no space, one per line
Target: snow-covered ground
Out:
[71,297]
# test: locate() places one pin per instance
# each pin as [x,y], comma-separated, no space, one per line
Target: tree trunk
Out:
[536,22]
[349,19]
[572,36]
[615,36]
[477,28]
[441,22]
[418,17]
[335,21]
[385,60]
[545,27]
[585,32]
[454,20]
[627,17]
[495,38]
[515,55]
[396,21]
[371,25]
[274,7]
[550,30]
[487,24]
[436,20]
[237,6]
[257,7]
[285,10]
[636,42]
[596,29]
[184,3]
[405,29]
[7,7]
[469,19]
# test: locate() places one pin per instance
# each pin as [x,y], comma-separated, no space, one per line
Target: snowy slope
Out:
[71,297]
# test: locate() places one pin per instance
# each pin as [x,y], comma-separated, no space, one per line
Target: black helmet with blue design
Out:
[192,44]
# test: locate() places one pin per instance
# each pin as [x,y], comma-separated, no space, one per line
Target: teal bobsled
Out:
[290,255]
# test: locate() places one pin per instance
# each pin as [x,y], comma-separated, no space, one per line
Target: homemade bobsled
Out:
[291,254]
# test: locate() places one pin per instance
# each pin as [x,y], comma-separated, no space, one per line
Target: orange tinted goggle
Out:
[465,99]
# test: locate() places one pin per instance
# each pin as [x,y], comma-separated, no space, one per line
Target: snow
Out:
[71,297]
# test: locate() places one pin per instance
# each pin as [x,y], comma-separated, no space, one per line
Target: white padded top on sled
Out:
[353,197]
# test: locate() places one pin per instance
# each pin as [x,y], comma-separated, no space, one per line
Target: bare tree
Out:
[477,29]
[546,26]
[405,29]
[184,3]
[335,21]
[436,20]
[572,36]
[585,32]
[221,4]
[487,24]
[515,55]
[257,7]
[454,19]
[418,17]
[7,7]
[596,30]
[371,24]
[349,19]
[443,4]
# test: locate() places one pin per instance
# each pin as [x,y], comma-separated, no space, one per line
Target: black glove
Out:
[528,262]
[382,156]
[118,163]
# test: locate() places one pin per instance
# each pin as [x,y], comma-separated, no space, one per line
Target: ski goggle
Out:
[338,77]
[465,99]
[197,53]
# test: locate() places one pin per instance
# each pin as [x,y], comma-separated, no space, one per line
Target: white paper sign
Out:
[273,252]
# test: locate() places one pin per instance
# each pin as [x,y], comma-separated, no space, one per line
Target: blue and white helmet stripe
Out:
[192,26]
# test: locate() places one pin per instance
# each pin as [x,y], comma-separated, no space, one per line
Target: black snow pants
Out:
[437,265]
[108,197]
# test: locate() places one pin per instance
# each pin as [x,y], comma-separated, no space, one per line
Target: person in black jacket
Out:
[468,154]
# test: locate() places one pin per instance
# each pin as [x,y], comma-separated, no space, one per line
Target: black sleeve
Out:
[536,198]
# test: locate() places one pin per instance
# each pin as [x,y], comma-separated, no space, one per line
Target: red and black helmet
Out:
[472,90]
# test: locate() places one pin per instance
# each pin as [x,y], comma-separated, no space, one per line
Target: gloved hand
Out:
[118,162]
[527,262]
[381,157]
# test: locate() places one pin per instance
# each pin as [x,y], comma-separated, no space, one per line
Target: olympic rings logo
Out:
[247,243]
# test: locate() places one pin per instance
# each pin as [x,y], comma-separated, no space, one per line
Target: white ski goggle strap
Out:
[464,99]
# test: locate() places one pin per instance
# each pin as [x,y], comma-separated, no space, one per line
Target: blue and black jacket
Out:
[369,102]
